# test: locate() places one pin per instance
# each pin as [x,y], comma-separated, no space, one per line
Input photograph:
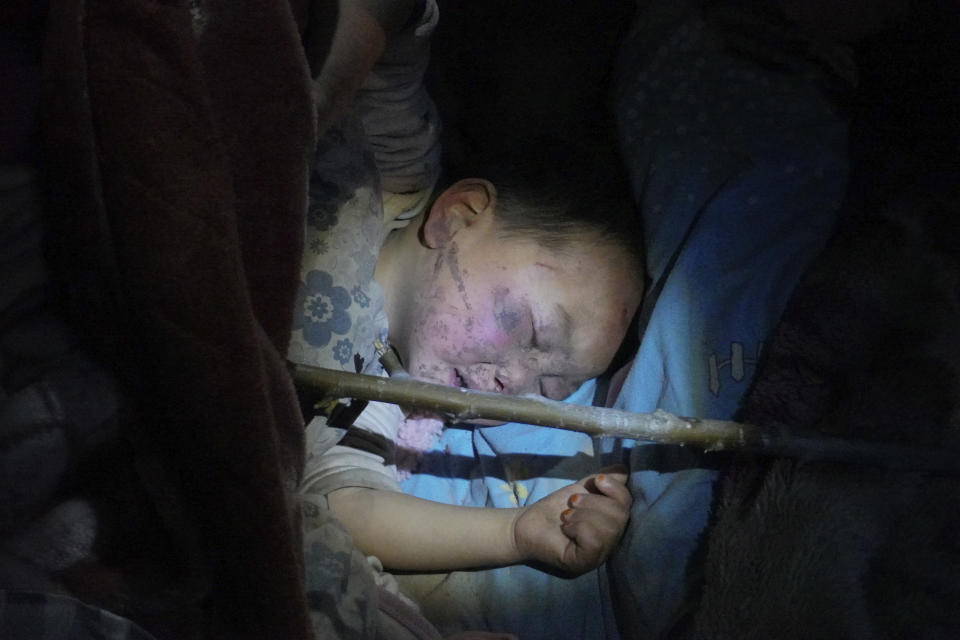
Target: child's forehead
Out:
[540,269]
[546,249]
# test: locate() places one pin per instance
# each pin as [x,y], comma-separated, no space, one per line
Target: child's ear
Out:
[461,205]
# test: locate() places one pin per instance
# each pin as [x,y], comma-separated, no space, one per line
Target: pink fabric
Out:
[415,436]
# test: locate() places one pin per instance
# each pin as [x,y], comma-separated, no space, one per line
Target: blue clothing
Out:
[741,165]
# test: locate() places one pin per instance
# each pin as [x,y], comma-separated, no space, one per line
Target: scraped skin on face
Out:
[479,310]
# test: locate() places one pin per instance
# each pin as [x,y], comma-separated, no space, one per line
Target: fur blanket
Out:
[865,350]
[177,139]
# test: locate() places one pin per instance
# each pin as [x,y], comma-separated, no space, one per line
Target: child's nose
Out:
[485,377]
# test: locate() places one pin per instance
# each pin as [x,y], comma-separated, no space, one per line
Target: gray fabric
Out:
[341,589]
[56,404]
[40,616]
[400,120]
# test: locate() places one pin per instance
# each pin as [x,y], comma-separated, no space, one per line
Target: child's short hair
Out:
[558,192]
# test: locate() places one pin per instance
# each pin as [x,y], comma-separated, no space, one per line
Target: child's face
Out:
[508,315]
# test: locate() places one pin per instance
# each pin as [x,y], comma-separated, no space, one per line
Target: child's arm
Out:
[572,530]
[363,27]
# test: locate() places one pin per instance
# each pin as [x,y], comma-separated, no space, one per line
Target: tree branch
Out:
[465,405]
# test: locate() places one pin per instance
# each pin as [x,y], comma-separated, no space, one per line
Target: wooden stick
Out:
[465,405]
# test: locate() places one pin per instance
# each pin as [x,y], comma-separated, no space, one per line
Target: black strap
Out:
[343,415]
[374,443]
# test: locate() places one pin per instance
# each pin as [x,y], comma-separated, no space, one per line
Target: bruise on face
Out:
[515,330]
[453,263]
[508,318]
[433,372]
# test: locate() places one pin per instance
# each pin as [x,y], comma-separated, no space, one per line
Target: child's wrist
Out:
[518,548]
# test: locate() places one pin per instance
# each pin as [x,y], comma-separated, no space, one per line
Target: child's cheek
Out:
[477,338]
[487,334]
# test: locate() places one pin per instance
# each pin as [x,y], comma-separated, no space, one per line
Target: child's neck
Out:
[397,264]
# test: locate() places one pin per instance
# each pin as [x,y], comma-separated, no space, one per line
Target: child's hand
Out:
[575,528]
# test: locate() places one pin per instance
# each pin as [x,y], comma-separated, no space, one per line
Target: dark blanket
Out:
[177,138]
[867,349]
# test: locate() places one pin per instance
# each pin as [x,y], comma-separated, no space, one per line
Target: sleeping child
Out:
[505,290]
[732,126]
[517,278]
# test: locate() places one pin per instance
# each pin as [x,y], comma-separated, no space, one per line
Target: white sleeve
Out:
[333,466]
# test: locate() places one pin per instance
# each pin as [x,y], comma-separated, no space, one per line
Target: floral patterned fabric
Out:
[339,315]
[373,172]
[339,312]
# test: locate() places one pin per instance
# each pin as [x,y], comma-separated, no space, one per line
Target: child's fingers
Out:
[592,538]
[588,505]
[590,541]
[605,514]
[618,471]
[611,474]
[613,485]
